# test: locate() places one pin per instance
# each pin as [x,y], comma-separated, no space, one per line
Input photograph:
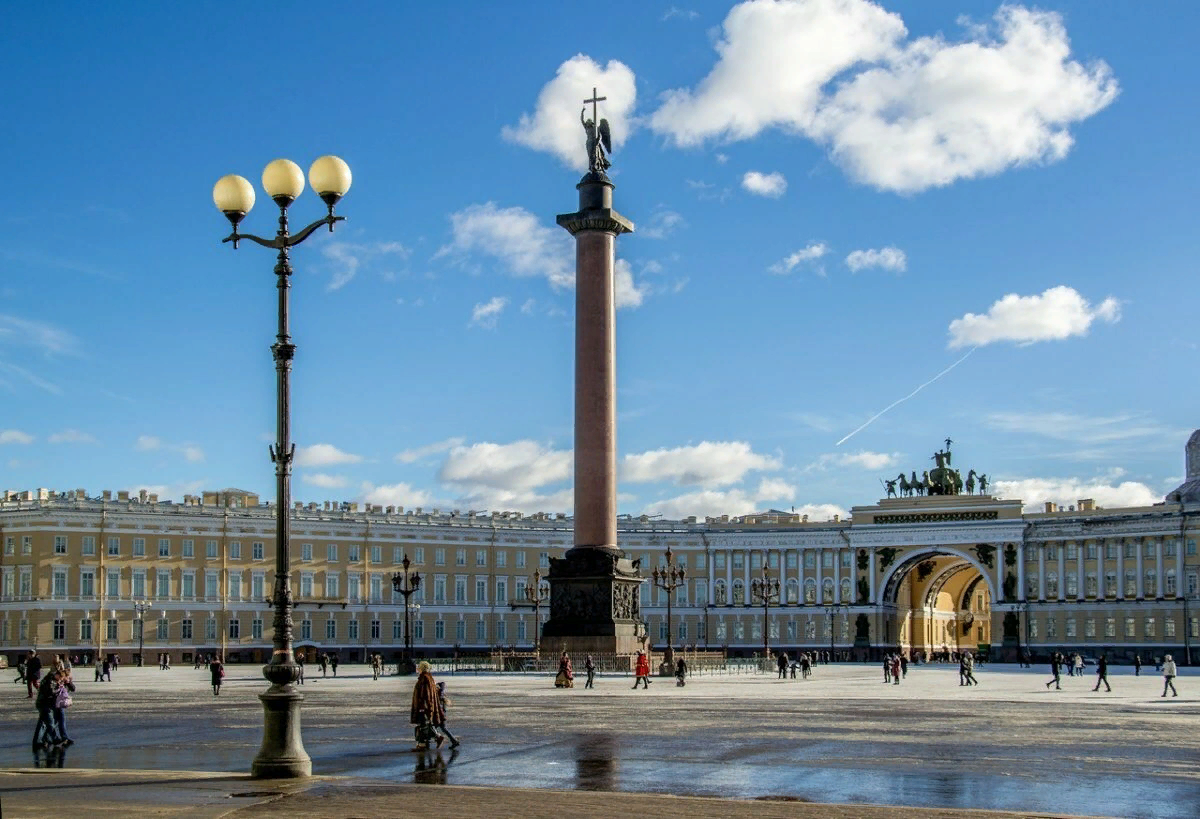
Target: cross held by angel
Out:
[599,137]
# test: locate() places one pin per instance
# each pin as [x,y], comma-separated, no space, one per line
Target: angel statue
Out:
[599,143]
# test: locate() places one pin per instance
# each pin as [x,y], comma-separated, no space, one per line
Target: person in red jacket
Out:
[642,670]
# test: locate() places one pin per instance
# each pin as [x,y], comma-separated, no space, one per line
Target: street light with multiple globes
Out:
[282,755]
[669,578]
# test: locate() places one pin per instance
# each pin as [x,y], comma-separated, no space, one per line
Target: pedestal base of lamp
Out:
[282,755]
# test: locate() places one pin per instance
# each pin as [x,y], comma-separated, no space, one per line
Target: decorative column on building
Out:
[1120,569]
[594,601]
[1141,578]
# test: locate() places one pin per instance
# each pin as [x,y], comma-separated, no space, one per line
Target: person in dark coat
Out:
[33,673]
[1056,670]
[427,710]
[217,670]
[1102,673]
[589,665]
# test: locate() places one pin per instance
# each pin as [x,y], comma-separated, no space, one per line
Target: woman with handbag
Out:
[217,670]
[427,711]
[62,701]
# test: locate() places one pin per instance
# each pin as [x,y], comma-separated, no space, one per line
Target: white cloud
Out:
[1056,314]
[899,114]
[486,315]
[772,185]
[416,454]
[528,306]
[71,436]
[889,258]
[147,443]
[707,464]
[1070,426]
[862,460]
[15,436]
[520,466]
[1034,492]
[396,494]
[554,126]
[661,224]
[46,337]
[738,502]
[326,481]
[347,257]
[528,248]
[193,454]
[323,455]
[31,377]
[809,253]
[684,14]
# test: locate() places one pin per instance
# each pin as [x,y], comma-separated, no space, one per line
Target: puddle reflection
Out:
[596,764]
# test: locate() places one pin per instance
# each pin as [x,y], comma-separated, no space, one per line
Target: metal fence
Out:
[699,663]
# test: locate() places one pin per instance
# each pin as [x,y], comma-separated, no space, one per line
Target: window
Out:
[112,583]
[501,631]
[1031,586]
[353,553]
[739,560]
[1090,584]
[719,596]
[210,585]
[480,590]
[544,560]
[375,630]
[1130,627]
[352,630]
[188,591]
[87,583]
[719,560]
[439,589]
[306,552]
[1110,551]
[1072,551]
[235,550]
[353,584]
[1110,584]
[164,547]
[256,550]
[235,629]
[59,589]
[1051,552]
[520,560]
[501,590]
[1168,627]
[846,590]
[1129,550]
[189,548]
[330,629]
[27,544]
[1151,583]
[210,551]
[185,628]
[139,547]
[701,592]
[257,586]
[376,554]
[1110,627]
[810,560]
[480,632]
[827,590]
[1051,628]
[1051,585]
[60,631]
[331,585]
[1089,627]
[1194,626]
[739,592]
[1169,548]
[439,557]
[481,557]
[163,629]
[1192,584]
[755,562]
[1130,584]
[418,630]
[10,545]
[1169,583]
[460,632]
[110,630]
[235,585]
[306,629]
[376,588]
[439,630]
[1072,585]
[114,547]
[810,591]
[397,630]
[1091,551]
[85,631]
[460,557]
[162,584]
[88,546]
[331,553]
[1190,550]
[256,628]
[501,559]
[1150,627]
[419,555]
[1148,549]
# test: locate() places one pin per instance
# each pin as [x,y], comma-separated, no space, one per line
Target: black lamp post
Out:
[765,591]
[140,608]
[535,598]
[669,578]
[282,755]
[831,610]
[406,584]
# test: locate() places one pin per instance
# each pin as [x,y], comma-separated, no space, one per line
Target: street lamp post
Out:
[832,612]
[765,591]
[669,578]
[405,584]
[535,598]
[282,755]
[140,608]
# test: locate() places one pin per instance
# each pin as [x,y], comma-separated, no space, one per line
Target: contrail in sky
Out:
[905,398]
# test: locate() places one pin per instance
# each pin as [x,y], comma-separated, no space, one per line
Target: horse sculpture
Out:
[971,482]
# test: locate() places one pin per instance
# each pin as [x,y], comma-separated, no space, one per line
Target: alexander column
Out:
[594,602]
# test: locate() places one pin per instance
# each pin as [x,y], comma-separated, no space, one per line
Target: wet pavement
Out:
[843,737]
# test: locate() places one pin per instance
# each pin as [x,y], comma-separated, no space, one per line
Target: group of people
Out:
[895,667]
[428,713]
[53,698]
[804,661]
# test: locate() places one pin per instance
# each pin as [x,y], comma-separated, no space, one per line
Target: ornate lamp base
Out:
[282,755]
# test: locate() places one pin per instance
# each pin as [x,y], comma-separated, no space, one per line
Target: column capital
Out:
[605,220]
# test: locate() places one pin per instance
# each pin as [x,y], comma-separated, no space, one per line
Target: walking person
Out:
[324,664]
[782,662]
[1137,665]
[1102,673]
[904,666]
[589,666]
[333,661]
[895,669]
[20,670]
[887,669]
[1056,670]
[1078,666]
[1168,672]
[969,663]
[443,700]
[44,732]
[106,668]
[641,671]
[566,676]
[217,672]
[376,666]
[427,710]
[99,670]
[62,701]
[33,672]
[680,672]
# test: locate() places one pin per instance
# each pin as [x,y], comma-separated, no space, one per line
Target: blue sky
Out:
[836,202]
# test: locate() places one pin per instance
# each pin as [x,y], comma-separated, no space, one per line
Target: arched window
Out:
[1169,580]
[846,590]
[739,593]
[1130,584]
[1031,586]
[719,593]
[1151,585]
[1051,584]
[810,591]
[793,590]
[827,590]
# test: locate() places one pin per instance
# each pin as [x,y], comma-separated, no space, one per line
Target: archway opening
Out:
[938,604]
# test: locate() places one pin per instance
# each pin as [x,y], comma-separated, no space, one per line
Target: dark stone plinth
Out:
[594,602]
